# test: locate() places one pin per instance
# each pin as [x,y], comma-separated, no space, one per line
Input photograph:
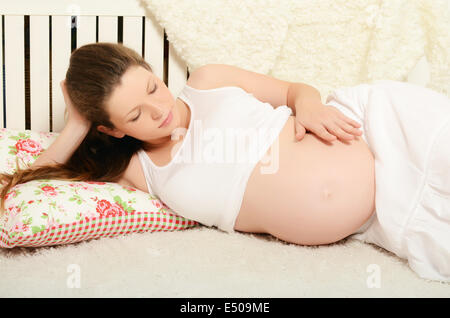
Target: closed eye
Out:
[136,118]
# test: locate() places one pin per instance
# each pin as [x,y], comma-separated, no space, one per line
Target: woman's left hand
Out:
[325,121]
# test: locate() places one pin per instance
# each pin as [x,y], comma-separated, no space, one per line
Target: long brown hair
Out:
[94,71]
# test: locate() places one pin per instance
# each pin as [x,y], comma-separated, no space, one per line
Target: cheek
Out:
[168,98]
[146,129]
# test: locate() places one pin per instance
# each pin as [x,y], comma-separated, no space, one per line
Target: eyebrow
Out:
[134,108]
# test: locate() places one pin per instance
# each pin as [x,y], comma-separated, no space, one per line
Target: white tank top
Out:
[229,132]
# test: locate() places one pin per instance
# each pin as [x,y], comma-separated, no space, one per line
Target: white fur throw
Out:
[325,43]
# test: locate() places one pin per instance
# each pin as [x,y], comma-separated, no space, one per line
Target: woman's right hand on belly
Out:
[325,121]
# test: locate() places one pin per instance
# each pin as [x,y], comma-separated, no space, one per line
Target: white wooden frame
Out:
[45,93]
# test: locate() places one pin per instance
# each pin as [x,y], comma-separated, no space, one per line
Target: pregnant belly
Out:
[310,191]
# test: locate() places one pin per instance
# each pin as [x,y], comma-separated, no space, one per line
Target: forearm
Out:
[64,146]
[300,94]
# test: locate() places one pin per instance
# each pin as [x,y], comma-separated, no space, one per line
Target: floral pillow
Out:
[49,212]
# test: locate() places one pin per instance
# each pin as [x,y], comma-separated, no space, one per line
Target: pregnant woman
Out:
[124,126]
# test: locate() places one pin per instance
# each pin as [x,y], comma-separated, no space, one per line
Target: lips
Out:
[167,120]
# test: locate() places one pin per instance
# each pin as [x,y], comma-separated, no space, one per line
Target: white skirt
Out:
[407,128]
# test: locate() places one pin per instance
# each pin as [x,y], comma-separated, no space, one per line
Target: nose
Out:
[156,111]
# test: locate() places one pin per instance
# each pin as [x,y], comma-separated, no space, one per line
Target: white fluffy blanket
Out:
[325,43]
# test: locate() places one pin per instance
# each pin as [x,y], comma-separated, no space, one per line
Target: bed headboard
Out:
[37,38]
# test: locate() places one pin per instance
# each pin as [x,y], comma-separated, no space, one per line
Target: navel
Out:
[326,193]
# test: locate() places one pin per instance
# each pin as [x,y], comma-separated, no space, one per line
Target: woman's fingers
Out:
[348,122]
[328,123]
[349,129]
[346,119]
[344,130]
[322,132]
[352,122]
[300,131]
[338,132]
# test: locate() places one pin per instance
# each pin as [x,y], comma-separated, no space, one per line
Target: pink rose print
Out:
[11,194]
[51,222]
[20,227]
[105,208]
[49,190]
[116,210]
[14,210]
[95,182]
[29,145]
[156,203]
[159,204]
[87,188]
[82,185]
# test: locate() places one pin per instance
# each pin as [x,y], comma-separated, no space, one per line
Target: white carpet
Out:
[205,262]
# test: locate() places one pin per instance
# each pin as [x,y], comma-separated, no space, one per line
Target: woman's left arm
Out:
[325,121]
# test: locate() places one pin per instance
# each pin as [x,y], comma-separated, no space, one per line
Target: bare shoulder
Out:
[210,76]
[134,175]
[264,87]
[199,79]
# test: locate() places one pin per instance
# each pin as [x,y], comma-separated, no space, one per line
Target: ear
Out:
[111,132]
